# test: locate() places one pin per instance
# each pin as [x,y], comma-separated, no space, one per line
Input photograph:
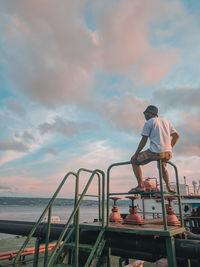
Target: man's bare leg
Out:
[166,178]
[138,174]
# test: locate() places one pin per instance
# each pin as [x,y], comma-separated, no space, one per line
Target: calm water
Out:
[30,209]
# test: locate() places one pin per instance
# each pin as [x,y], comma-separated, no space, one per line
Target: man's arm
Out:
[141,145]
[175,138]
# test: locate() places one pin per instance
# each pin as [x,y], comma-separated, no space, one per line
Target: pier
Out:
[94,244]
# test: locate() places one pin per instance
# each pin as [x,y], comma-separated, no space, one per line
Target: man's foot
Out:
[171,190]
[138,188]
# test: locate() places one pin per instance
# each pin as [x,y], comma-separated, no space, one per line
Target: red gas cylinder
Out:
[172,220]
[133,217]
[115,216]
[149,185]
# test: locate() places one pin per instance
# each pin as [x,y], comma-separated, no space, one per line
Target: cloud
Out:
[51,150]
[189,130]
[126,112]
[178,98]
[57,50]
[15,107]
[184,103]
[5,188]
[52,54]
[9,156]
[11,144]
[66,128]
[125,40]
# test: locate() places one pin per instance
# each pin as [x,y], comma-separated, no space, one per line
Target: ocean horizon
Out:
[30,209]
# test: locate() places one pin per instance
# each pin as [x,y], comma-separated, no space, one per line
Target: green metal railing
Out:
[56,251]
[159,162]
[47,209]
[75,215]
[68,235]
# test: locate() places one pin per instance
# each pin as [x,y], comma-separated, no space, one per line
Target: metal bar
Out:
[108,257]
[108,186]
[94,248]
[171,252]
[36,255]
[162,196]
[76,251]
[103,200]
[90,195]
[47,235]
[72,214]
[63,244]
[42,216]
[179,195]
[103,190]
[99,197]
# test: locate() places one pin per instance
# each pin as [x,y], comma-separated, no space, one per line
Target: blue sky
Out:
[75,77]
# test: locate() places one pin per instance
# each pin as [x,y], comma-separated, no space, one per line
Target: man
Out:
[162,138]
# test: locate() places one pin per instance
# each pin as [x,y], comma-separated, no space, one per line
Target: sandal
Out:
[137,189]
[172,190]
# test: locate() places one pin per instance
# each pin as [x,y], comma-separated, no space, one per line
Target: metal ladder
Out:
[69,238]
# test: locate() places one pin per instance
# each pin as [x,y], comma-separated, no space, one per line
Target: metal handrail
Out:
[161,190]
[48,208]
[101,207]
[101,213]
[55,253]
[108,185]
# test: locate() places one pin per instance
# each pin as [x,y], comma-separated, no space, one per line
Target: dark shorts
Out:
[148,156]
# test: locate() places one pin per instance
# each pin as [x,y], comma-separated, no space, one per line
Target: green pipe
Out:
[42,216]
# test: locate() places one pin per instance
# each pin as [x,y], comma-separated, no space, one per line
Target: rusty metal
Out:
[115,216]
[133,217]
[171,216]
[149,185]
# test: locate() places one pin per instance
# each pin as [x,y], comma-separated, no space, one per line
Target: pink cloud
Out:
[126,112]
[125,40]
[189,130]
[59,54]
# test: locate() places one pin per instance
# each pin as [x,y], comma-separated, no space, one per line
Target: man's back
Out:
[159,131]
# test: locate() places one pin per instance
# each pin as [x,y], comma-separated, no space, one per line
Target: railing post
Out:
[159,164]
[76,222]
[179,194]
[99,197]
[36,255]
[108,186]
[47,235]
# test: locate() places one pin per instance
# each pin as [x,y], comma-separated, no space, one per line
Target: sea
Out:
[30,209]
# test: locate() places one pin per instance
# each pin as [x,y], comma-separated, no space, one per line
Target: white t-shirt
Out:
[159,131]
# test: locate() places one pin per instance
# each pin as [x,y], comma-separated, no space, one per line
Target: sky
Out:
[75,78]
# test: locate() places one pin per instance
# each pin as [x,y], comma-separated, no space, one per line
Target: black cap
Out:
[152,109]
